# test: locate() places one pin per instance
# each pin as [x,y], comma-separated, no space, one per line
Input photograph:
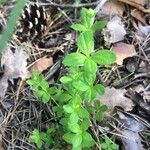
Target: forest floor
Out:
[127,81]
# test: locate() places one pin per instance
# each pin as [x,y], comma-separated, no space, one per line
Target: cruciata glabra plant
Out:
[75,102]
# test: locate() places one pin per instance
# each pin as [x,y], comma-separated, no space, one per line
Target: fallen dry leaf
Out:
[41,64]
[111,8]
[14,63]
[138,15]
[139,4]
[122,51]
[130,133]
[114,31]
[115,97]
[14,67]
[143,31]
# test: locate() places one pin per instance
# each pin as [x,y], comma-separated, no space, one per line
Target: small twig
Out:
[140,75]
[53,70]
[75,5]
[100,4]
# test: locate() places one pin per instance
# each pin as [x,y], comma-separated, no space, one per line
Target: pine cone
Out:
[32,23]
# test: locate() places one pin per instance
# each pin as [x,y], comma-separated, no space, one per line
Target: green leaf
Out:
[51,130]
[44,85]
[87,140]
[74,59]
[2,2]
[45,98]
[89,77]
[90,94]
[74,118]
[78,27]
[87,17]
[90,66]
[43,136]
[77,148]
[115,146]
[52,90]
[83,15]
[79,85]
[104,146]
[75,128]
[39,144]
[85,42]
[76,140]
[99,25]
[97,104]
[36,138]
[65,79]
[76,101]
[64,123]
[104,57]
[67,108]
[99,116]
[11,24]
[103,108]
[108,141]
[85,124]
[73,123]
[68,137]
[39,93]
[100,89]
[64,97]
[30,82]
[82,112]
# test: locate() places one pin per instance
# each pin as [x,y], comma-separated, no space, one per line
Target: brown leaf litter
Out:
[130,136]
[111,8]
[114,31]
[115,97]
[122,51]
[14,67]
[27,113]
[139,4]
[138,15]
[41,64]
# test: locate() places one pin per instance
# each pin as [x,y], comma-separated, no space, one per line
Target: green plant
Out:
[2,2]
[76,100]
[46,138]
[37,137]
[41,87]
[108,144]
[11,24]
